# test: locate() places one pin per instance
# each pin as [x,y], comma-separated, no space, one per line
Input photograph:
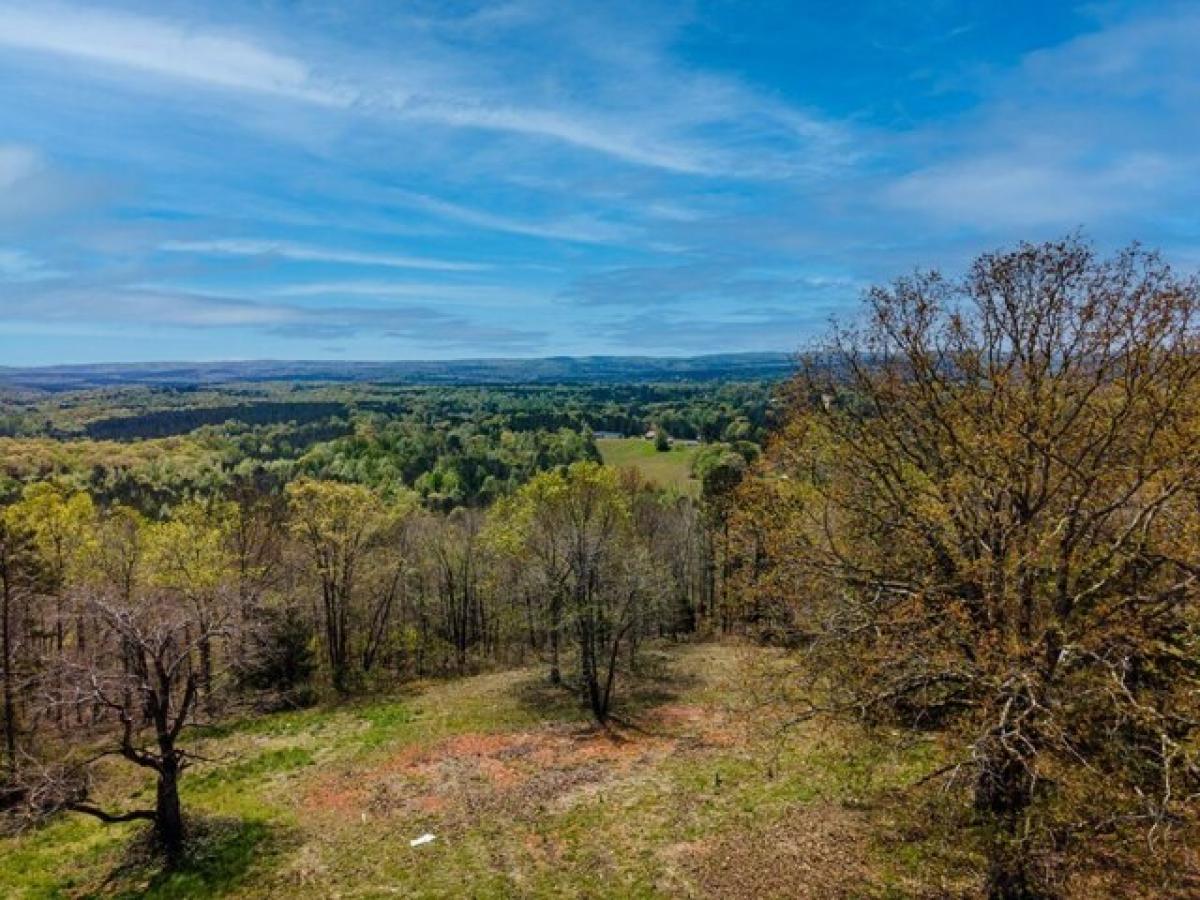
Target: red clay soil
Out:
[429,779]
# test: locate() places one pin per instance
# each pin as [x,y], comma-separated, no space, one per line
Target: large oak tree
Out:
[984,517]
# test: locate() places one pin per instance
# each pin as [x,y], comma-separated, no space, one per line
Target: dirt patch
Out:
[699,727]
[509,759]
[817,852]
[332,794]
[516,774]
[675,715]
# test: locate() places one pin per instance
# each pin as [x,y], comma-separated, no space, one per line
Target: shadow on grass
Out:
[221,854]
[655,681]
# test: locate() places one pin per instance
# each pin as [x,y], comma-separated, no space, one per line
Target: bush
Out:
[279,658]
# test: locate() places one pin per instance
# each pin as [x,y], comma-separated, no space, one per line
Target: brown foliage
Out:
[983,517]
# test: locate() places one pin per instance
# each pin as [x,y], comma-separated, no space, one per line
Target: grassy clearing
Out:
[668,469]
[691,794]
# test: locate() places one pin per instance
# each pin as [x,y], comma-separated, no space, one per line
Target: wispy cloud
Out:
[765,328]
[590,132]
[1023,190]
[33,190]
[1094,131]
[645,173]
[727,281]
[173,309]
[580,229]
[19,266]
[651,115]
[491,294]
[161,48]
[269,249]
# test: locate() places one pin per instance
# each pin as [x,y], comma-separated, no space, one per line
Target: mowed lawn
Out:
[693,793]
[668,469]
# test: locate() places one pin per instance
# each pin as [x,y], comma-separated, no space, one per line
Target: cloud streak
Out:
[273,249]
[19,266]
[579,229]
[665,133]
[161,48]
[175,309]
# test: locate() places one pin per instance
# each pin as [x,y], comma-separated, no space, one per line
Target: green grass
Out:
[668,469]
[694,795]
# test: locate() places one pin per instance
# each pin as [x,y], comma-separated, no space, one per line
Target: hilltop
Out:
[693,791]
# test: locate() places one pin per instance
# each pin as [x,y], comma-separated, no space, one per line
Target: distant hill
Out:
[549,370]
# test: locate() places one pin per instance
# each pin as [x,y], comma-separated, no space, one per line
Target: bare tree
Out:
[454,547]
[347,532]
[144,671]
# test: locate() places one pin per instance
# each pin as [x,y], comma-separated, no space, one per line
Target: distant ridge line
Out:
[543,370]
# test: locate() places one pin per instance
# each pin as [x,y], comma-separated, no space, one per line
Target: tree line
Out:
[122,631]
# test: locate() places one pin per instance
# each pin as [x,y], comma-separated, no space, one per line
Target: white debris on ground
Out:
[426,838]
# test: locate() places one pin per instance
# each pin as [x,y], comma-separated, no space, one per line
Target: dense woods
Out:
[154,448]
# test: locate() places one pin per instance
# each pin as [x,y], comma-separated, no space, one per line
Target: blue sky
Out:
[388,179]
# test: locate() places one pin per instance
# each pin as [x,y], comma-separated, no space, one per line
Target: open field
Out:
[689,796]
[669,469]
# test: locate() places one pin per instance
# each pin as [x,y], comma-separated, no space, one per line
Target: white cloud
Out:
[163,308]
[101,303]
[1020,189]
[1097,132]
[580,229]
[502,295]
[636,146]
[1152,55]
[161,48]
[33,189]
[307,253]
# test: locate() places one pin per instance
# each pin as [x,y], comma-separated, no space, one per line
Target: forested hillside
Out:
[153,447]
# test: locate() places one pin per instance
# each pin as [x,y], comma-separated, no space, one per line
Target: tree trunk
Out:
[1008,876]
[1003,794]
[206,670]
[555,627]
[168,817]
[6,654]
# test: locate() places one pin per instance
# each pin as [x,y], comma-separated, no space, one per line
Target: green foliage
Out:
[280,658]
[155,448]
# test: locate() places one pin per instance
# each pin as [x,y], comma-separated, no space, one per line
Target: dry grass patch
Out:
[815,852]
